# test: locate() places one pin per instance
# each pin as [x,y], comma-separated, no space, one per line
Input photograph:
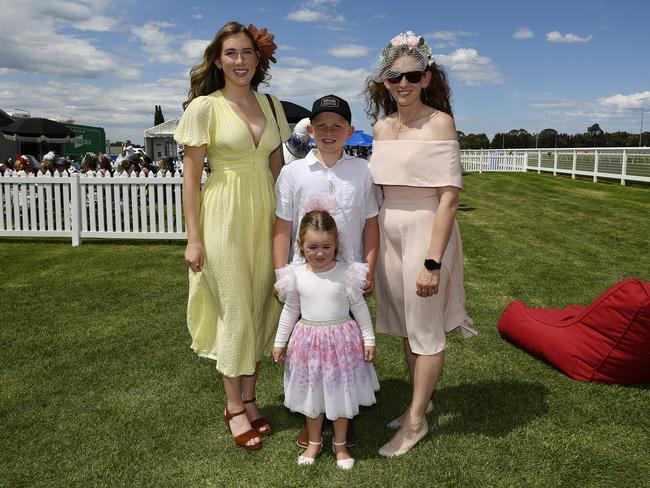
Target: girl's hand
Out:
[370,283]
[369,353]
[194,256]
[427,283]
[278,354]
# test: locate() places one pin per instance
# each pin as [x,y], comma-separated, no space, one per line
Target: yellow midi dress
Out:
[231,311]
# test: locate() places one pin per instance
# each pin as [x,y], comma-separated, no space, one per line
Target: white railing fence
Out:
[141,207]
[624,164]
[79,207]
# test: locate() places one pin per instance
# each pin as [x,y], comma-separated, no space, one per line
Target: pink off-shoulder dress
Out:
[410,171]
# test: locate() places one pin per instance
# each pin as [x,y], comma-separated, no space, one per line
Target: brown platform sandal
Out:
[244,437]
[260,423]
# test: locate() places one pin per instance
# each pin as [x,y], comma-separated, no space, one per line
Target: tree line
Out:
[522,139]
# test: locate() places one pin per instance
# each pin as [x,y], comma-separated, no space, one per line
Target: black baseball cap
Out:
[331,103]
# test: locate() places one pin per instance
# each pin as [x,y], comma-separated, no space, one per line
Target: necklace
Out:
[405,123]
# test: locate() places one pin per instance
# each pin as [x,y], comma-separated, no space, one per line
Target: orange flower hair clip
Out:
[264,40]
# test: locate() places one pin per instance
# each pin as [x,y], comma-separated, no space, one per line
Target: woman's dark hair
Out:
[379,102]
[206,78]
[319,221]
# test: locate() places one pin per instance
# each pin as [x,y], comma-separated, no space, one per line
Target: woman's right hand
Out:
[194,256]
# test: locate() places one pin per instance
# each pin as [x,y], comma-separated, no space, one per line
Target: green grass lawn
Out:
[100,388]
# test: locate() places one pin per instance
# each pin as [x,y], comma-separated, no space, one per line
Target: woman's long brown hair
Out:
[379,102]
[206,78]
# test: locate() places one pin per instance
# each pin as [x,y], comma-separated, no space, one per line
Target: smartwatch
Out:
[432,264]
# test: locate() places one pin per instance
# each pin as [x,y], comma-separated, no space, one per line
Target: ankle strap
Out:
[249,401]
[316,443]
[338,443]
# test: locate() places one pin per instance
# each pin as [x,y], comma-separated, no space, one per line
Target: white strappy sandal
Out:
[308,461]
[344,464]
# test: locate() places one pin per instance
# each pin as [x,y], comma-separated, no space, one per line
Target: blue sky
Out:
[532,65]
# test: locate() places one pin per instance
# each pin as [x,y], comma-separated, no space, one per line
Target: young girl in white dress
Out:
[328,369]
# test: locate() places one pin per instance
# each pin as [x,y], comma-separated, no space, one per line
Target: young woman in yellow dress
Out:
[419,278]
[232,312]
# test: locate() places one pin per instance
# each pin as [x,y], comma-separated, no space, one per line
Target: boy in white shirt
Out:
[328,171]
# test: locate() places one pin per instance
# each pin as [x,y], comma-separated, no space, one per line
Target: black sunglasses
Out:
[411,77]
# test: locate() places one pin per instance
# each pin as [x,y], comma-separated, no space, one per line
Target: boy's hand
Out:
[369,353]
[278,354]
[370,283]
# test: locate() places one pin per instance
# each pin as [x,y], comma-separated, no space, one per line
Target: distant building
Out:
[159,140]
[8,148]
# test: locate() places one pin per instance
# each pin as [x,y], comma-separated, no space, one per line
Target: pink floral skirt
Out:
[325,371]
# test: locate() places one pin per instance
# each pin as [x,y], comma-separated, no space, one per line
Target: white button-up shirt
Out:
[347,185]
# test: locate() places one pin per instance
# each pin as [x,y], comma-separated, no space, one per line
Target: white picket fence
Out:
[87,207]
[624,164]
[79,207]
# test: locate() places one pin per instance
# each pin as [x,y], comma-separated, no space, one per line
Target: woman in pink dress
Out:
[419,280]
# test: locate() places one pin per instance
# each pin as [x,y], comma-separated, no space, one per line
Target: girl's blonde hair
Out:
[318,221]
[206,78]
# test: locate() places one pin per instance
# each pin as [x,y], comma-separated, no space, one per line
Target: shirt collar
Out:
[312,159]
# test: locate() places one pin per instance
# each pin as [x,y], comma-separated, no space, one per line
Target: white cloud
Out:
[307,84]
[553,103]
[470,67]
[32,41]
[524,33]
[193,49]
[612,107]
[305,15]
[620,102]
[293,61]
[322,12]
[157,42]
[449,35]
[197,16]
[124,111]
[569,38]
[349,51]
[168,48]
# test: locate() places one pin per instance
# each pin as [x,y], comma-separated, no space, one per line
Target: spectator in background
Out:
[146,166]
[90,165]
[22,167]
[45,168]
[49,157]
[124,169]
[60,167]
[166,166]
[297,146]
[127,149]
[6,168]
[105,167]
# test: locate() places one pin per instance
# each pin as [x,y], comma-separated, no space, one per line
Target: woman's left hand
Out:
[427,283]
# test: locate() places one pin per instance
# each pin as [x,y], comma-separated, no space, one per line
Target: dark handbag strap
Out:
[268,97]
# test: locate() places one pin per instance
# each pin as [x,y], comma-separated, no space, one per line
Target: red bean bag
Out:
[608,341]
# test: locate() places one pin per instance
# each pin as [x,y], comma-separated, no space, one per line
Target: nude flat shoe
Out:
[389,451]
[395,424]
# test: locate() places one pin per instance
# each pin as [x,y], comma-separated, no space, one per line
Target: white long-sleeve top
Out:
[323,297]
